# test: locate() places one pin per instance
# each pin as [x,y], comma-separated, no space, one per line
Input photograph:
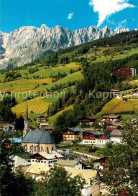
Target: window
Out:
[47,149]
[42,149]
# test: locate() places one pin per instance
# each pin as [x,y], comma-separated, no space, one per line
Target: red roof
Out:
[103,138]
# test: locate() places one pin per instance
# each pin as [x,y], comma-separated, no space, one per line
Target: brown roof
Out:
[111,116]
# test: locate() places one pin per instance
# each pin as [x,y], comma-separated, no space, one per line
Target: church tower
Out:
[26,122]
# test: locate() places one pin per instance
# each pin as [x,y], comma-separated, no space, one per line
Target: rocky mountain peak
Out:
[27,43]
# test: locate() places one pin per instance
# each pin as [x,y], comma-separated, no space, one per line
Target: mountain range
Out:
[28,43]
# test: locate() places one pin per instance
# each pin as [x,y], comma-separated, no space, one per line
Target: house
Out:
[65,152]
[102,140]
[124,72]
[100,163]
[116,136]
[89,176]
[135,92]
[111,118]
[88,120]
[38,141]
[44,157]
[89,137]
[43,125]
[115,93]
[71,164]
[21,159]
[37,170]
[113,126]
[73,134]
[41,119]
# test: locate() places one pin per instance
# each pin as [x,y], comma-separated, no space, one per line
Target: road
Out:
[88,155]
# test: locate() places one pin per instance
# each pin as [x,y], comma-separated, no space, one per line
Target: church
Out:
[36,141]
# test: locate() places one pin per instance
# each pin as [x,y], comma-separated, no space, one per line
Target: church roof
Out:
[41,137]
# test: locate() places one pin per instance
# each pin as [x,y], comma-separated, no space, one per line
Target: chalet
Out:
[102,140]
[43,157]
[87,121]
[89,137]
[135,92]
[111,118]
[116,136]
[100,163]
[124,72]
[113,126]
[73,134]
[38,141]
[41,119]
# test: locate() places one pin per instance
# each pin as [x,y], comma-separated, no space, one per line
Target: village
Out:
[41,153]
[81,150]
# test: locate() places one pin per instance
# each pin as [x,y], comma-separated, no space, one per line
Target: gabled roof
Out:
[69,163]
[41,137]
[102,138]
[48,156]
[86,174]
[116,133]
[96,133]
[103,158]
[77,130]
[88,117]
[111,116]
[38,168]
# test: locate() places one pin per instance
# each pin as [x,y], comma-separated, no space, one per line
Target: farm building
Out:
[73,134]
[44,157]
[124,71]
[111,118]
[87,121]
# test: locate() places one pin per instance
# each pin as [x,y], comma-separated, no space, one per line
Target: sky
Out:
[74,14]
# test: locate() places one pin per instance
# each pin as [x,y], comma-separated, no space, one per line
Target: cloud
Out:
[105,8]
[70,15]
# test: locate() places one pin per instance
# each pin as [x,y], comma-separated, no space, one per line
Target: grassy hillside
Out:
[119,105]
[88,61]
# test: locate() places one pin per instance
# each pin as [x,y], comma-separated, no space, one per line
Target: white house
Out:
[47,158]
[116,136]
[100,163]
[102,140]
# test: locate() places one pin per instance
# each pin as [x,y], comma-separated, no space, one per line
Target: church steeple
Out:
[26,110]
[26,122]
